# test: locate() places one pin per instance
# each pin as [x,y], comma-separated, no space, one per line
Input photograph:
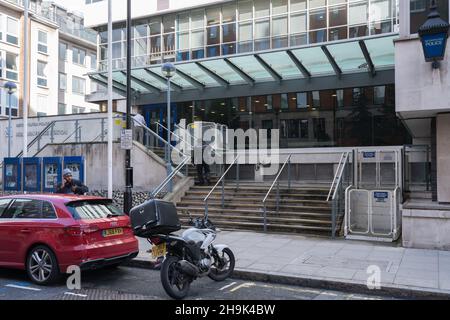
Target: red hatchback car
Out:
[45,234]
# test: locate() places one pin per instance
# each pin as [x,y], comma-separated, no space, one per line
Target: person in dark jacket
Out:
[70,185]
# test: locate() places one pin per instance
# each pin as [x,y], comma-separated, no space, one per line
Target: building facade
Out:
[327,73]
[57,81]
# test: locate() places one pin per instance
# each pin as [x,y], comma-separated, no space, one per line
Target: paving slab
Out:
[338,263]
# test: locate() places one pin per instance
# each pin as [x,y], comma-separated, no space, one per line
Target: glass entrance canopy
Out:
[370,54]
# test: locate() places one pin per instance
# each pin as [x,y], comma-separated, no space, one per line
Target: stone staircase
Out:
[302,209]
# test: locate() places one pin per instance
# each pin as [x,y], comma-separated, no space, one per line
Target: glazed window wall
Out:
[330,118]
[248,26]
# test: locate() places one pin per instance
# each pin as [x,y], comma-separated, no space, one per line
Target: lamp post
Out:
[128,195]
[12,88]
[168,70]
[433,35]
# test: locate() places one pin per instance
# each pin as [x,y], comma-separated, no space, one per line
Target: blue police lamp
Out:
[433,35]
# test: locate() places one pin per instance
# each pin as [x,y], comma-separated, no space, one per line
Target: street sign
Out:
[126,139]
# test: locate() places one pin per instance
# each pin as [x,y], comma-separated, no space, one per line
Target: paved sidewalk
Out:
[338,262]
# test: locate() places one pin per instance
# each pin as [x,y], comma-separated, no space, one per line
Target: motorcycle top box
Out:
[154,217]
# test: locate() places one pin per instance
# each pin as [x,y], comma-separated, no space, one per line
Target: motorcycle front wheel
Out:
[175,283]
[223,266]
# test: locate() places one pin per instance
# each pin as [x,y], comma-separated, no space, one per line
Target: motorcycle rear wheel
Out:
[175,283]
[223,267]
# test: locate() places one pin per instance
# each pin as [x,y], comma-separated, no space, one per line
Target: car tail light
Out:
[75,231]
[78,231]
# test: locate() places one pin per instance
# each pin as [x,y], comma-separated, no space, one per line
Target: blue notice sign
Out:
[369,155]
[381,196]
[434,46]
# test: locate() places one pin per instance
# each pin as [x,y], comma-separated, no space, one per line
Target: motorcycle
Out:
[188,257]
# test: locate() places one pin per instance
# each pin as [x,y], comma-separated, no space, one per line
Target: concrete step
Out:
[200,210]
[257,200]
[239,205]
[254,195]
[260,218]
[271,227]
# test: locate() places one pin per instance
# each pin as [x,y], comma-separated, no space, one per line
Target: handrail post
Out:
[206,209]
[237,175]
[52,136]
[278,196]
[289,174]
[265,217]
[223,193]
[333,219]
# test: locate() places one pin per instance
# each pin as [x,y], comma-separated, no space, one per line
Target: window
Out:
[3,205]
[62,81]
[420,10]
[78,85]
[29,209]
[302,100]
[79,56]
[1,27]
[12,31]
[42,42]
[42,74]
[12,66]
[304,129]
[93,61]
[76,110]
[379,95]
[62,51]
[62,109]
[94,209]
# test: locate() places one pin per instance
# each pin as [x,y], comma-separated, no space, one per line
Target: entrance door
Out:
[156,117]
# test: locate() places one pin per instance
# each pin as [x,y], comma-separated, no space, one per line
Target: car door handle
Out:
[25,231]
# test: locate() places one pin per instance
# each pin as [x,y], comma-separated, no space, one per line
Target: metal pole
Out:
[169,158]
[278,196]
[265,218]
[289,174]
[110,103]
[9,127]
[223,193]
[25,80]
[128,195]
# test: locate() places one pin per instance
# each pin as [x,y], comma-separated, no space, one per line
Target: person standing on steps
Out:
[139,124]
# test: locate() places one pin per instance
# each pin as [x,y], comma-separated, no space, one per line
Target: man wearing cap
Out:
[70,185]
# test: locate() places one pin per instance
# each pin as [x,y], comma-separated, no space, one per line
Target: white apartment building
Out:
[62,52]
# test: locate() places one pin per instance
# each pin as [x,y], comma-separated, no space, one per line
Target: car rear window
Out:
[93,209]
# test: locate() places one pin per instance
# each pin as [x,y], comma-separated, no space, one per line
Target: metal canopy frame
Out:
[212,74]
[151,88]
[343,60]
[245,76]
[368,58]
[333,62]
[163,80]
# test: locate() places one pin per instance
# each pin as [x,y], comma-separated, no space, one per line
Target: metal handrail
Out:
[157,136]
[173,133]
[277,182]
[74,132]
[277,178]
[221,180]
[338,175]
[38,137]
[166,181]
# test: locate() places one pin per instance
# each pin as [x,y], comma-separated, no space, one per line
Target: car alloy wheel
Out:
[42,266]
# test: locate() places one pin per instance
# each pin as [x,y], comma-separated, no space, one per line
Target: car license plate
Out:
[159,250]
[112,232]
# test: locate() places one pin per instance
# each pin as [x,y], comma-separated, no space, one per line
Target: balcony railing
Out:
[49,12]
